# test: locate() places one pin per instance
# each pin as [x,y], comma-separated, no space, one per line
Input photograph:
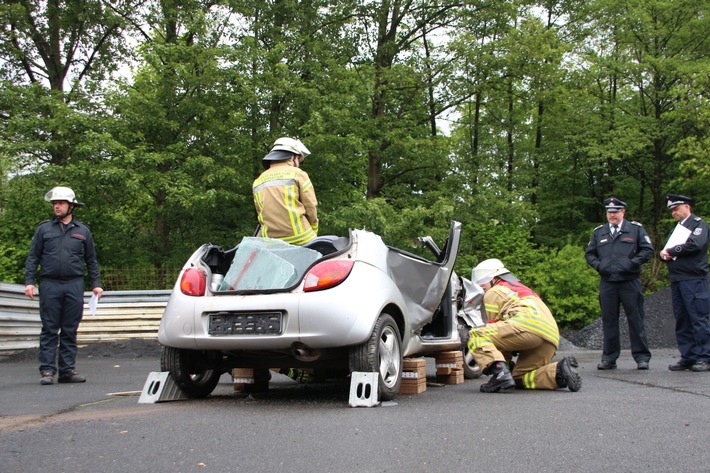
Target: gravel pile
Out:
[659,321]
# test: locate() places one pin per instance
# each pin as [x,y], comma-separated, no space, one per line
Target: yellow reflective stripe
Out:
[478,341]
[300,239]
[306,185]
[529,379]
[259,200]
[511,294]
[492,308]
[291,203]
[534,324]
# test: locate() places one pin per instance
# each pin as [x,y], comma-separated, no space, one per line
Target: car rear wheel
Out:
[382,354]
[190,370]
[470,369]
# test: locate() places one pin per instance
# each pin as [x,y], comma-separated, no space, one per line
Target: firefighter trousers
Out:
[533,369]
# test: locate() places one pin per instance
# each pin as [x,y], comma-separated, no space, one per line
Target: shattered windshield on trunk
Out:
[267,263]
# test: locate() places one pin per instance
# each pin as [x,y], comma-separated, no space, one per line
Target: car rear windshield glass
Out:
[267,263]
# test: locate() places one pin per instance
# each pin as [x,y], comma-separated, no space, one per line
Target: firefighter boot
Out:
[501,379]
[566,376]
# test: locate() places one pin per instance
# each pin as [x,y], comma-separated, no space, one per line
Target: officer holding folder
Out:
[686,254]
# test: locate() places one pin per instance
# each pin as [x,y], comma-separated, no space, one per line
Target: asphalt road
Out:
[623,420]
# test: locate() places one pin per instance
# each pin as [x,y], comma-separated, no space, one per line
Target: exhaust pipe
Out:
[303,353]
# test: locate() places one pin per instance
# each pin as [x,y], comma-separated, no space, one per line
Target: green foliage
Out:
[547,112]
[569,287]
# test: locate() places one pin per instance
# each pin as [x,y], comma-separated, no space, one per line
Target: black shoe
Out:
[642,365]
[566,376]
[681,366]
[47,378]
[71,377]
[701,366]
[606,365]
[501,380]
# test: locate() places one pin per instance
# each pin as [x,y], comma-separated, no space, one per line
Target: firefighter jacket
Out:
[286,204]
[61,253]
[619,258]
[517,304]
[690,260]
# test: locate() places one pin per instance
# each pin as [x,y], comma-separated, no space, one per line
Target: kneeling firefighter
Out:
[518,322]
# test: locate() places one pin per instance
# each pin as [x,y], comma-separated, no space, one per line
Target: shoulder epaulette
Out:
[43,221]
[636,223]
[600,226]
[697,219]
[80,223]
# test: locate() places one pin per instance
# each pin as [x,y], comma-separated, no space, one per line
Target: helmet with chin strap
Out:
[62,193]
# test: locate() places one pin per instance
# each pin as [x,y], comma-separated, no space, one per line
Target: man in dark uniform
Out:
[617,251]
[687,256]
[61,247]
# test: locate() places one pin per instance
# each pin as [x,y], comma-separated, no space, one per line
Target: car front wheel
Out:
[190,370]
[382,353]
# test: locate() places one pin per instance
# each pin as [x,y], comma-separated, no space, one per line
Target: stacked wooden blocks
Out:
[413,376]
[248,380]
[449,367]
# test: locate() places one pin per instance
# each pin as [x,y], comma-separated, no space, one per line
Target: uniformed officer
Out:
[687,256]
[518,321]
[616,251]
[61,247]
[284,197]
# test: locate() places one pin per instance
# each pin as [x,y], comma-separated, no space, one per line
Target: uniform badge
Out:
[697,231]
[648,240]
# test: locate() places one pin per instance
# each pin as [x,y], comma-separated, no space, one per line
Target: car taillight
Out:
[193,282]
[327,274]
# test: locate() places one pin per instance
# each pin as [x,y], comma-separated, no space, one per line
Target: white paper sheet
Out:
[678,237]
[93,302]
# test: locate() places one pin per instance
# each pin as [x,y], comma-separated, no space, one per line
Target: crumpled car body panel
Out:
[382,280]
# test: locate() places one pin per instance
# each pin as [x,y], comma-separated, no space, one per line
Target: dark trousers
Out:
[691,310]
[629,294]
[61,306]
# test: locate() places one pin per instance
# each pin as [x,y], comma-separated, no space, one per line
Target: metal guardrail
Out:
[120,315]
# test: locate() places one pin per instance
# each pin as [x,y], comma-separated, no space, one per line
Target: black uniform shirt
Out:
[61,253]
[620,258]
[691,258]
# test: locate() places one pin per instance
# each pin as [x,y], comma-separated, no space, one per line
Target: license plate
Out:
[237,323]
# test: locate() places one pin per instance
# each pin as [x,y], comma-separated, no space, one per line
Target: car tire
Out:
[188,368]
[470,369]
[382,354]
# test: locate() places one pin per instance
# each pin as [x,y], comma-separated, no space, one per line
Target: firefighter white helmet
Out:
[62,193]
[486,270]
[291,145]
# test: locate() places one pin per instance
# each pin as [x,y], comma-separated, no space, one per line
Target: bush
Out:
[569,287]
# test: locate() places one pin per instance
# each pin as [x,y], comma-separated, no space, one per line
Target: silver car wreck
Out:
[336,305]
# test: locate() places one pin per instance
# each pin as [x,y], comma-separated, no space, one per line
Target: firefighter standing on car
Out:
[286,205]
[518,322]
[60,248]
[617,251]
[284,197]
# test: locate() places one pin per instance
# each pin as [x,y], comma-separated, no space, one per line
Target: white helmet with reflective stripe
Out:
[291,145]
[487,270]
[62,193]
